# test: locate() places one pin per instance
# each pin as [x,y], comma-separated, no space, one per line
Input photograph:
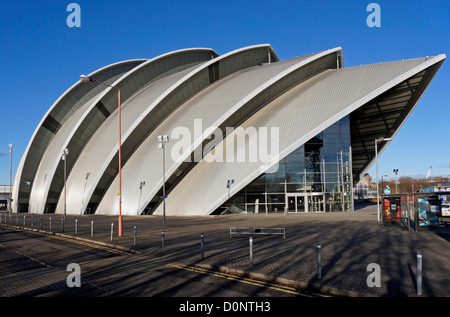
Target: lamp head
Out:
[85,78]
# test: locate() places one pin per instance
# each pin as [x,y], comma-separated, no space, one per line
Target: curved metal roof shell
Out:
[215,100]
[300,114]
[231,99]
[71,100]
[81,125]
[142,114]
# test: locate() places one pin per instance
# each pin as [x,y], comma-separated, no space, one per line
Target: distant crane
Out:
[428,174]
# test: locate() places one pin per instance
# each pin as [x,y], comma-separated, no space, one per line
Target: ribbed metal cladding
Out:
[161,108]
[167,101]
[81,127]
[102,147]
[60,111]
[300,114]
[212,106]
[50,161]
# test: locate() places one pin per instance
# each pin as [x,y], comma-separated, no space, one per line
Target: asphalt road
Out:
[40,265]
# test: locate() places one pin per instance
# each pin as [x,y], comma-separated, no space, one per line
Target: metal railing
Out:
[257,231]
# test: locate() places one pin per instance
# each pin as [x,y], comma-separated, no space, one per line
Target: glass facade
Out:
[316,177]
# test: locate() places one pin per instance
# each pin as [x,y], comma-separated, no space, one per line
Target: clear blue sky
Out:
[41,57]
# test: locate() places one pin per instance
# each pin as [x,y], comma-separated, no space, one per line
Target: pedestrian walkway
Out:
[352,245]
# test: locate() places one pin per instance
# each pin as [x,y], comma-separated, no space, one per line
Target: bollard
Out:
[92,228]
[202,246]
[112,230]
[419,273]
[50,223]
[251,250]
[163,242]
[135,233]
[32,221]
[24,221]
[409,219]
[76,226]
[62,224]
[17,220]
[319,261]
[40,224]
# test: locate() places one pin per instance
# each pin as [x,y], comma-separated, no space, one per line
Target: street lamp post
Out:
[85,78]
[65,152]
[376,163]
[162,139]
[10,177]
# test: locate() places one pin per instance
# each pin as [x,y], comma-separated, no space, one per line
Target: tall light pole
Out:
[376,163]
[65,152]
[85,78]
[162,139]
[10,177]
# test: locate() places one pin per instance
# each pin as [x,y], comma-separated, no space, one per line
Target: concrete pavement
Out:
[352,244]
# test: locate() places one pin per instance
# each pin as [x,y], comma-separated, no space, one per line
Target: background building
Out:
[322,120]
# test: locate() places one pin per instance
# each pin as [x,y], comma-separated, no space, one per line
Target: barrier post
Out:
[419,273]
[163,242]
[319,261]
[251,250]
[202,245]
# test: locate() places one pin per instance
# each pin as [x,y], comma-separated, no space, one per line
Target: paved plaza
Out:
[351,243]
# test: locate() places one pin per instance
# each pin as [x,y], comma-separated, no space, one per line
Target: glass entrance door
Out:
[292,207]
[305,202]
[302,203]
[297,203]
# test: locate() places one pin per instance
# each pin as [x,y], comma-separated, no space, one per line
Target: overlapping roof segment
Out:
[224,104]
[141,115]
[80,125]
[69,102]
[383,116]
[300,114]
[246,88]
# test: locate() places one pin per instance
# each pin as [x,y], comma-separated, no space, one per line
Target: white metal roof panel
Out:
[213,106]
[300,114]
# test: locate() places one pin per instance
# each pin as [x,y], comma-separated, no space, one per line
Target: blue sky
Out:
[41,57]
